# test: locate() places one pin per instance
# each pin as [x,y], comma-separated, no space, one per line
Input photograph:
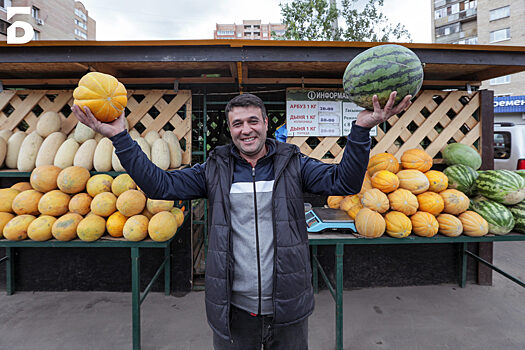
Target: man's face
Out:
[248,130]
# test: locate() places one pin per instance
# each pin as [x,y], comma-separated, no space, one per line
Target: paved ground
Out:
[419,318]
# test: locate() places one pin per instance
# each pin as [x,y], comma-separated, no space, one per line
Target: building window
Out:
[35,12]
[468,41]
[4,4]
[3,26]
[81,24]
[440,13]
[438,3]
[500,80]
[81,14]
[239,35]
[80,33]
[36,36]
[225,32]
[500,35]
[499,13]
[447,30]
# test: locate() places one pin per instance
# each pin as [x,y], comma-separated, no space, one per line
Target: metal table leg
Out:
[315,273]
[167,271]
[10,270]
[463,282]
[339,251]
[135,296]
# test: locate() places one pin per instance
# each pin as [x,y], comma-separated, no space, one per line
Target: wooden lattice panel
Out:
[434,119]
[147,110]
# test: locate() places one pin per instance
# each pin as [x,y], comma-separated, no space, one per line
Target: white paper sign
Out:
[350,112]
[303,119]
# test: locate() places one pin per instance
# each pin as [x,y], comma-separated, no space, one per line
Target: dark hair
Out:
[245,100]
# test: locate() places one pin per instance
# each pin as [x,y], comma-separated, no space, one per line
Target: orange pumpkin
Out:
[424,224]
[382,161]
[449,225]
[348,202]
[413,180]
[430,202]
[384,180]
[403,201]
[398,225]
[474,225]
[352,212]
[416,159]
[375,200]
[369,223]
[334,201]
[437,181]
[103,94]
[367,184]
[456,202]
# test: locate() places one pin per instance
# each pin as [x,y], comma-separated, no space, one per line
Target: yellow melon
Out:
[334,201]
[98,184]
[162,226]
[115,224]
[122,183]
[131,202]
[80,203]
[40,228]
[104,204]
[23,186]
[146,213]
[136,228]
[44,178]
[65,228]
[7,195]
[27,202]
[54,203]
[156,206]
[179,215]
[16,228]
[4,219]
[91,228]
[73,179]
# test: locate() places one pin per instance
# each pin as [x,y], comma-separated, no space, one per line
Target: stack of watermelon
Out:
[497,195]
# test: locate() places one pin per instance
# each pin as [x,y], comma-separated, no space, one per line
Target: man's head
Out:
[248,125]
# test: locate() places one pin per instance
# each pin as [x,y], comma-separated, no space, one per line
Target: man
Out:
[258,275]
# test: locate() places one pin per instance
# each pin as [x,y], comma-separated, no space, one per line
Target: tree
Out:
[317,20]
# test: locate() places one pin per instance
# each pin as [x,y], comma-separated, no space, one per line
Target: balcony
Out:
[463,16]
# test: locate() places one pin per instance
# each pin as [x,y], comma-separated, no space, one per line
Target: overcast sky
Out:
[196,19]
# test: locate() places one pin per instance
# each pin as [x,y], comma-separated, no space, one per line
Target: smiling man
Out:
[258,276]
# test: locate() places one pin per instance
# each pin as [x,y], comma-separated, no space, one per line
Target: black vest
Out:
[292,287]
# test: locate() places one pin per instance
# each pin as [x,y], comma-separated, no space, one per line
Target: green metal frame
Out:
[340,240]
[136,298]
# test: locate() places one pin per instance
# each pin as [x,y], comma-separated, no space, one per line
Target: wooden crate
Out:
[147,110]
[433,119]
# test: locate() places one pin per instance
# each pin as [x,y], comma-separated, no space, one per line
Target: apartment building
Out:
[51,20]
[249,29]
[483,22]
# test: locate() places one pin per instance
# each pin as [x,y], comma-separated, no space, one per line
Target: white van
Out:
[509,146]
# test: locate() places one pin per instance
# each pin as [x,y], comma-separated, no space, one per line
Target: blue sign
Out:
[509,104]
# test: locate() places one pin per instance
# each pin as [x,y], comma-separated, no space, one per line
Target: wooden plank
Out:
[144,106]
[186,156]
[166,115]
[25,108]
[472,136]
[323,147]
[5,97]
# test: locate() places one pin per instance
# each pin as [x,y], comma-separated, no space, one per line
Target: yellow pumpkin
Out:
[27,202]
[416,159]
[474,225]
[375,200]
[437,181]
[179,216]
[136,228]
[103,94]
[40,228]
[369,223]
[162,226]
[456,202]
[4,219]
[80,203]
[334,201]
[121,184]
[156,206]
[16,228]
[73,179]
[449,225]
[54,203]
[131,202]
[424,224]
[398,225]
[348,202]
[99,183]
[115,224]
[23,186]
[385,181]
[7,196]
[91,228]
[383,161]
[352,212]
[104,204]
[413,180]
[403,201]
[367,184]
[44,178]
[65,228]
[430,202]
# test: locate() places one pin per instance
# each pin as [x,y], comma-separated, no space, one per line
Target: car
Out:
[509,146]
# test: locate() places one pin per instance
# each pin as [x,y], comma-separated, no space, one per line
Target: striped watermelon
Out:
[461,178]
[381,70]
[520,172]
[518,211]
[500,218]
[458,153]
[503,186]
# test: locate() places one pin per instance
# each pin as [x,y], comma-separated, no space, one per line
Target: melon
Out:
[13,149]
[91,228]
[65,228]
[461,177]
[102,156]
[121,184]
[7,195]
[4,219]
[73,179]
[84,155]
[179,215]
[500,219]
[174,147]
[381,70]
[40,228]
[49,148]
[48,123]
[162,226]
[29,151]
[157,205]
[131,202]
[54,203]
[16,228]
[136,228]
[502,186]
[458,153]
[23,186]
[104,204]
[80,203]
[44,178]
[66,154]
[99,183]
[115,224]
[26,202]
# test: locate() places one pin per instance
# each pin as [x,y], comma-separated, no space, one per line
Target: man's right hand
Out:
[106,129]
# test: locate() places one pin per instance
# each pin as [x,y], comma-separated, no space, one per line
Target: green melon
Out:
[381,70]
[458,153]
[520,172]
[518,211]
[461,178]
[502,186]
[499,218]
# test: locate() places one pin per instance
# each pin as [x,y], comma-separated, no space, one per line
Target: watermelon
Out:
[381,70]
[520,172]
[461,177]
[502,186]
[499,218]
[518,211]
[458,153]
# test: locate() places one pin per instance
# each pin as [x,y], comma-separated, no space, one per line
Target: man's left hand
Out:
[369,119]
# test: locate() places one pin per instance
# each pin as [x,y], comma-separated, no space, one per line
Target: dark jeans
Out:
[253,332]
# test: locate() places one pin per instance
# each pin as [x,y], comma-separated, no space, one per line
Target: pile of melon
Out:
[48,145]
[406,197]
[67,204]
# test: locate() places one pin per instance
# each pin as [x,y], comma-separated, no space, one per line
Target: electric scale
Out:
[319,219]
